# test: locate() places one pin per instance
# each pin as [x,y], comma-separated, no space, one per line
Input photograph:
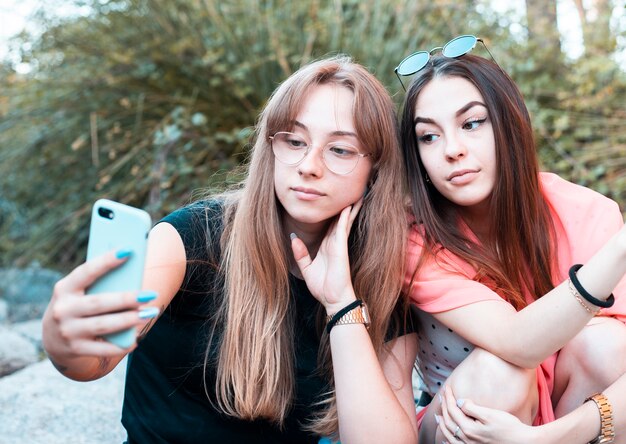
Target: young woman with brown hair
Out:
[507,318]
[240,350]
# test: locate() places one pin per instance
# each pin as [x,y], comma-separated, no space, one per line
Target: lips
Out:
[307,193]
[462,176]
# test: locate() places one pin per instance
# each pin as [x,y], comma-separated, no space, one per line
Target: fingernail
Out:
[460,402]
[146,296]
[437,420]
[293,236]
[440,397]
[148,313]
[121,254]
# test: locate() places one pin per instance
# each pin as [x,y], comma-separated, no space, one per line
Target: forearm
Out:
[578,427]
[368,408]
[599,276]
[559,308]
[85,368]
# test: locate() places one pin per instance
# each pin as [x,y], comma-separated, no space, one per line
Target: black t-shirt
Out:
[165,400]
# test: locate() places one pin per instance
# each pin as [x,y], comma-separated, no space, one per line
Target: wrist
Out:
[354,313]
[333,307]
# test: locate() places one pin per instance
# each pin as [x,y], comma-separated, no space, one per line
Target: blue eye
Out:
[342,150]
[290,141]
[296,143]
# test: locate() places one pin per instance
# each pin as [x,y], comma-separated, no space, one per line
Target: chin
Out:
[310,219]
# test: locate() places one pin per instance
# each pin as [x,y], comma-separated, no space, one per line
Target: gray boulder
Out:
[30,330]
[27,291]
[40,406]
[16,352]
[4,311]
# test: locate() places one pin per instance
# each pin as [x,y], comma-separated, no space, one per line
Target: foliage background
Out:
[147,101]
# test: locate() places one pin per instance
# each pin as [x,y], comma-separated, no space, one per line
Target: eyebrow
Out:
[461,111]
[334,133]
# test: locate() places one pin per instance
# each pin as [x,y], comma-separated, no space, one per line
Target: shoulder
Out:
[199,225]
[584,219]
[443,281]
[569,199]
[204,210]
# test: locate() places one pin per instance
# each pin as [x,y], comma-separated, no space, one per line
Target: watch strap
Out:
[354,313]
[607,429]
[358,315]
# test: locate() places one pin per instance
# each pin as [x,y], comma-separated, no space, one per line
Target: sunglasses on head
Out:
[456,47]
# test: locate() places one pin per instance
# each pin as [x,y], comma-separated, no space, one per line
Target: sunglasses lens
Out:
[413,63]
[459,46]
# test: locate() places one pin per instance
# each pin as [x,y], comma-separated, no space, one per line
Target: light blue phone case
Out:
[115,226]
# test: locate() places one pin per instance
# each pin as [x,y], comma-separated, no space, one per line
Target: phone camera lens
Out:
[106,213]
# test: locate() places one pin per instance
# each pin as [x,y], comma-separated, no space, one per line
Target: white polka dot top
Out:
[440,351]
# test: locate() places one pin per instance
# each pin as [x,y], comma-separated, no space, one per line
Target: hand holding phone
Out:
[115,226]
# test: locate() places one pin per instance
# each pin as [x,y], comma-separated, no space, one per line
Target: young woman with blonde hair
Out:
[239,348]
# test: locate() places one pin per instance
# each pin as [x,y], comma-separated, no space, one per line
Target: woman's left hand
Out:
[475,424]
[328,275]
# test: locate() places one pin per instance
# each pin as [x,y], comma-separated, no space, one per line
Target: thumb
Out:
[300,252]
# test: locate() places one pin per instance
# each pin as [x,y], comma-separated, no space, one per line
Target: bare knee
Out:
[494,382]
[602,341]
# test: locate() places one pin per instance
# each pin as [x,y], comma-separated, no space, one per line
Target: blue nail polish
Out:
[440,397]
[123,253]
[437,420]
[148,313]
[146,296]
[293,236]
[460,402]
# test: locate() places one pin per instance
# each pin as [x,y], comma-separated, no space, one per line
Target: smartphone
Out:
[116,226]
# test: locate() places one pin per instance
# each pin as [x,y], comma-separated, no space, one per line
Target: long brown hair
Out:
[520,252]
[255,364]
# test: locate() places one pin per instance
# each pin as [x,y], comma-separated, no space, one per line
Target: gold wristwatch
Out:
[358,315]
[607,429]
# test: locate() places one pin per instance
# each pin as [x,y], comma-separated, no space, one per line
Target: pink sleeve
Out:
[610,224]
[442,283]
[588,220]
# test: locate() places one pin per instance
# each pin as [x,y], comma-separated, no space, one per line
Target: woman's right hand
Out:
[478,424]
[74,323]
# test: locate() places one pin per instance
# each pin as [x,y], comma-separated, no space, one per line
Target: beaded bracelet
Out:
[597,302]
[593,311]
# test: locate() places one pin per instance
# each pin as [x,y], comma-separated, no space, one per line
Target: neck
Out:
[478,220]
[312,236]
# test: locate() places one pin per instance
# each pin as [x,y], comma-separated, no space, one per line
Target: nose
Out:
[455,147]
[313,163]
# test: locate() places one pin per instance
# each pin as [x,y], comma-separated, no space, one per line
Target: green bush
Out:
[147,101]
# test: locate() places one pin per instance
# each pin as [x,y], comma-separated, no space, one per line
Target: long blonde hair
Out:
[255,362]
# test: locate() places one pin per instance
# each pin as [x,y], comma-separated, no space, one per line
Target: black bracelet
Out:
[334,318]
[597,302]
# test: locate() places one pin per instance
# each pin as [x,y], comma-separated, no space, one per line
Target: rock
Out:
[27,291]
[16,352]
[40,406]
[30,330]
[4,311]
